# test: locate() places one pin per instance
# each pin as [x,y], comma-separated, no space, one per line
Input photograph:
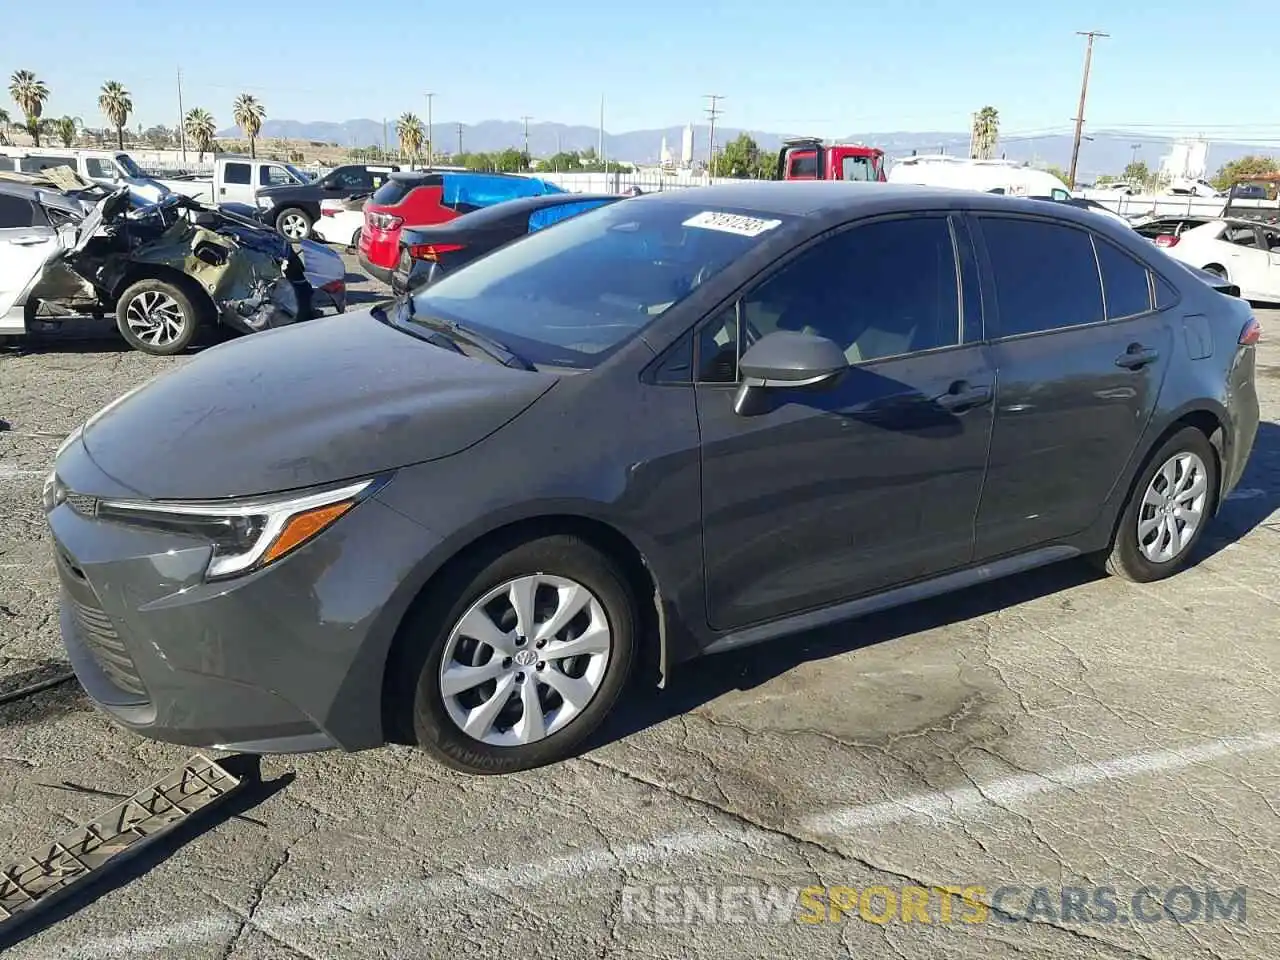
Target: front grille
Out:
[106,647]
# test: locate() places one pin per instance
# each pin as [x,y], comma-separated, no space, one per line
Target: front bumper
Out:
[284,660]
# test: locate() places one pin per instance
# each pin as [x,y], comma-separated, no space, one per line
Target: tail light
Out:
[1166,240]
[384,221]
[432,251]
[1251,333]
[334,286]
[326,212]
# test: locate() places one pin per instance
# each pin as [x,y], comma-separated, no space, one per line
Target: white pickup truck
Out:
[235,179]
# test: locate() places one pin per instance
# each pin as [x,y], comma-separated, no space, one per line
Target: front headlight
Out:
[246,534]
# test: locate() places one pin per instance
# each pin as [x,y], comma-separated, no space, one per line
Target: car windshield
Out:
[571,296]
[130,166]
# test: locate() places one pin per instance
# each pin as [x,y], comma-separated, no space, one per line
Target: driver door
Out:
[831,494]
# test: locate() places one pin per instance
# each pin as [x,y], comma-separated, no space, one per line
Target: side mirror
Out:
[791,360]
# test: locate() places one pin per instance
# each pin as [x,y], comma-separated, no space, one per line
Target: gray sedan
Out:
[673,426]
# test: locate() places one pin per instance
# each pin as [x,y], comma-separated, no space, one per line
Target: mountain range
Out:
[1107,151]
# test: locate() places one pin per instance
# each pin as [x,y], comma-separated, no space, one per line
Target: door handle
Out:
[963,396]
[1137,357]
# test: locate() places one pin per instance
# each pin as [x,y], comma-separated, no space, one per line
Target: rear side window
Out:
[15,212]
[1166,294]
[1124,281]
[236,173]
[6,163]
[36,164]
[541,219]
[392,192]
[803,165]
[1046,275]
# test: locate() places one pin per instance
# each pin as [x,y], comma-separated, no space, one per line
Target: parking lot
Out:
[1056,730]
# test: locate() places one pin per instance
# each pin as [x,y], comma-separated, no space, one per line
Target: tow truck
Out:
[808,158]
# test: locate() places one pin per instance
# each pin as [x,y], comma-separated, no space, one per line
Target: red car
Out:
[423,199]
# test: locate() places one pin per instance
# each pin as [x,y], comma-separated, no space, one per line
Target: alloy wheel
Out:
[1173,507]
[525,660]
[294,226]
[155,318]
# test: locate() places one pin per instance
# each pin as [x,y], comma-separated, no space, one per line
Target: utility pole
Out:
[386,152]
[525,121]
[459,139]
[1084,90]
[182,119]
[713,112]
[1133,158]
[600,151]
[430,146]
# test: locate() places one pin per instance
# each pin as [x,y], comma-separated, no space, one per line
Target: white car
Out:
[340,222]
[1244,252]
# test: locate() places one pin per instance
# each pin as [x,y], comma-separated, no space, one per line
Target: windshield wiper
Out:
[461,333]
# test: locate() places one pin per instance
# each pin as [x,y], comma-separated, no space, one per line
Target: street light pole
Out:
[1084,90]
[430,145]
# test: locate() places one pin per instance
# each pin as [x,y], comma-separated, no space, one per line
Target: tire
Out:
[355,239]
[152,301]
[1126,556]
[433,631]
[294,219]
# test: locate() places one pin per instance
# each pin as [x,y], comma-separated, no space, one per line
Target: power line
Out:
[713,112]
[1084,90]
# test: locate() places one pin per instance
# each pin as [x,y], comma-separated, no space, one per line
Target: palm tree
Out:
[411,133]
[248,114]
[67,129]
[5,120]
[116,105]
[30,95]
[986,131]
[199,126]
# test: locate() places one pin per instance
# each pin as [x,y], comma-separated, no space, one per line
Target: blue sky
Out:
[827,67]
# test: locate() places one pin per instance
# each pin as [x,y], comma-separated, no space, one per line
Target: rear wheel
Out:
[157,317]
[1169,506]
[521,657]
[294,224]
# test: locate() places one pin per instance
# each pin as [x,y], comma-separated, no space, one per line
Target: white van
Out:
[988,176]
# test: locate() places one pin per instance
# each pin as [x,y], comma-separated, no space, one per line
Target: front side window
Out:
[856,168]
[573,295]
[237,173]
[1046,275]
[1124,280]
[879,290]
[272,176]
[99,169]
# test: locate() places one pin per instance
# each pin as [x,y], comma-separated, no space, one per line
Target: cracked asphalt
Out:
[1056,730]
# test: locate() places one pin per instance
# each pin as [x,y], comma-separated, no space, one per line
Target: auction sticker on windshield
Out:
[731,223]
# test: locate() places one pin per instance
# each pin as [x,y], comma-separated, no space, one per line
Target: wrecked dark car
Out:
[164,270]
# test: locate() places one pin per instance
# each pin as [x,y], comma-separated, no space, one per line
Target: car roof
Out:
[15,188]
[839,198]
[510,208]
[421,176]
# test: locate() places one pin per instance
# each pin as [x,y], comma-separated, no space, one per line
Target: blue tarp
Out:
[480,190]
[541,219]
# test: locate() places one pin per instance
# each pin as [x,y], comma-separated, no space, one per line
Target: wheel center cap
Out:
[526,658]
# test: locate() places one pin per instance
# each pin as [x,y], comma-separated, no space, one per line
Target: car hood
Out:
[328,400]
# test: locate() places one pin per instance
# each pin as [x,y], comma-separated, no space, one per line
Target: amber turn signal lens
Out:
[302,527]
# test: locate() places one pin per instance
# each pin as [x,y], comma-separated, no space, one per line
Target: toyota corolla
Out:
[669,427]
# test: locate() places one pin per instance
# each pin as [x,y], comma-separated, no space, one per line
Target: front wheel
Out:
[1169,506]
[157,317]
[524,657]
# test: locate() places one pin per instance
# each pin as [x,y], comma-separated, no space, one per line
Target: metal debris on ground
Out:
[34,881]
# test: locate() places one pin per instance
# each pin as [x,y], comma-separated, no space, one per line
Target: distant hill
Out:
[1107,152]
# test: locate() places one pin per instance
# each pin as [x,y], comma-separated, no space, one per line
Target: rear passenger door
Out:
[1080,357]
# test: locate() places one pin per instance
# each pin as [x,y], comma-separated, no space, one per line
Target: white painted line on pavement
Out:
[9,472]
[935,807]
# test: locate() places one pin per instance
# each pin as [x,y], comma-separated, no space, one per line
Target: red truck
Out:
[807,158]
